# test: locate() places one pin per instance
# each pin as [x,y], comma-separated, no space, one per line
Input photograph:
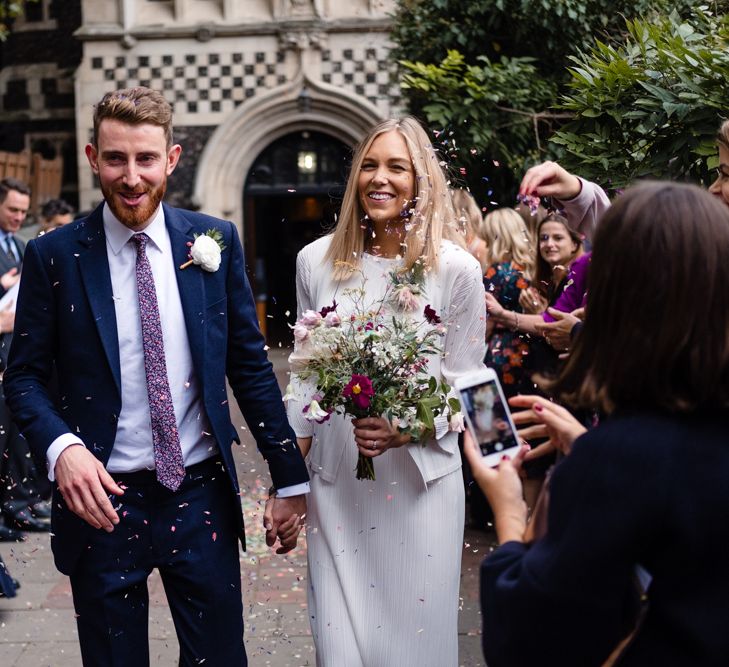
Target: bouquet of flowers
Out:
[374,362]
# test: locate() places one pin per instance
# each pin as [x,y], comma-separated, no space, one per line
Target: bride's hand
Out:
[375,435]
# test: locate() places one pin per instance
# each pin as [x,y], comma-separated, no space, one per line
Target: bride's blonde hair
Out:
[431,219]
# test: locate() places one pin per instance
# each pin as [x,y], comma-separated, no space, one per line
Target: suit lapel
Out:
[94,269]
[190,284]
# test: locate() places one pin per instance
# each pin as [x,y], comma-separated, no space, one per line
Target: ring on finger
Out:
[374,445]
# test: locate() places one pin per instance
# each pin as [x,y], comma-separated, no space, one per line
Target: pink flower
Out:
[301,332]
[359,390]
[406,299]
[331,319]
[310,319]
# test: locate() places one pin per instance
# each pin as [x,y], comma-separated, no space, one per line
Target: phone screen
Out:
[488,418]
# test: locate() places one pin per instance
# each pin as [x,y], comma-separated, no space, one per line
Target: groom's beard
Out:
[130,216]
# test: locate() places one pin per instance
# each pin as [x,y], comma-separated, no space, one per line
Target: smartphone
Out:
[487,415]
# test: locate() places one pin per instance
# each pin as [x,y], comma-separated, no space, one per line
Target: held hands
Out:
[550,180]
[494,308]
[548,420]
[375,435]
[85,484]
[282,520]
[557,333]
[503,489]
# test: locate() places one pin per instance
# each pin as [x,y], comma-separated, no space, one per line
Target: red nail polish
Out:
[538,407]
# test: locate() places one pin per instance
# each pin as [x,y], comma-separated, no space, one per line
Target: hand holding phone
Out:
[487,415]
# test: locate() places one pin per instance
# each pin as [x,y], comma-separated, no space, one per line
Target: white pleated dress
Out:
[385,556]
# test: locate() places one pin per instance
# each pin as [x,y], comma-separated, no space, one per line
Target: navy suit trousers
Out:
[190,536]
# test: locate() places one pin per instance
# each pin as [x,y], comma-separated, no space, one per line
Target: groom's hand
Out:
[84,485]
[283,519]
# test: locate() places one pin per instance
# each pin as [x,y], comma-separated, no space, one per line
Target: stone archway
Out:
[301,105]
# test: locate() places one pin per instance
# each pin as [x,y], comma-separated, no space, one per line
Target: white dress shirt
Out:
[133,448]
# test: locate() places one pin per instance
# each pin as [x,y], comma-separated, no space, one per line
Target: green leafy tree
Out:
[650,106]
[487,74]
[482,101]
[10,10]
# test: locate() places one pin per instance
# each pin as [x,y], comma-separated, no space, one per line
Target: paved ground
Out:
[37,628]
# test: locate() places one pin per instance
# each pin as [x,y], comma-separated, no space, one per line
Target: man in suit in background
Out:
[139,442]
[20,502]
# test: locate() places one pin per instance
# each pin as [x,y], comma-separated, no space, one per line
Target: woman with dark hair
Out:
[558,247]
[645,490]
[559,283]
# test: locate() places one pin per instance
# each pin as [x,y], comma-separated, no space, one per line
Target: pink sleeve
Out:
[585,210]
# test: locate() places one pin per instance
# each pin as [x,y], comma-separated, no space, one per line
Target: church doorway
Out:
[292,196]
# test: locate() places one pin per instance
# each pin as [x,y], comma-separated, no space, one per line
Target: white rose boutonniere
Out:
[206,250]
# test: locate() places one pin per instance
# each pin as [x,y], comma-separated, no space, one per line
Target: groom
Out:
[138,436]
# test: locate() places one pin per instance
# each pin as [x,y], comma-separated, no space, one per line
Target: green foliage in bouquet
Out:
[375,364]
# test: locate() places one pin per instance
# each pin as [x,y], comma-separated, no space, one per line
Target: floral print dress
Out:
[508,351]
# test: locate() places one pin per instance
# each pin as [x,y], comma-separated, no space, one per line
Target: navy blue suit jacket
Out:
[66,321]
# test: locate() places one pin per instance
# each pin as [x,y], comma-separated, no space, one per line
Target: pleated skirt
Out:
[384,565]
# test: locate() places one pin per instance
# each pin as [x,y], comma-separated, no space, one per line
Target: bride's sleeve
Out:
[299,393]
[464,347]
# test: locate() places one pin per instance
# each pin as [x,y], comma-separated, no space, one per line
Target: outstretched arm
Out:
[584,202]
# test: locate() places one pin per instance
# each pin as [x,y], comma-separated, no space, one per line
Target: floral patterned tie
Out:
[165,438]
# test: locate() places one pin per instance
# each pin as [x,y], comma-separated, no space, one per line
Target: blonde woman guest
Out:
[384,556]
[469,216]
[510,269]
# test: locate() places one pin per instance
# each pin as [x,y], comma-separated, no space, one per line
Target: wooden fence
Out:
[43,176]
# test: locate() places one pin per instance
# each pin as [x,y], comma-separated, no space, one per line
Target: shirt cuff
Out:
[56,449]
[295,490]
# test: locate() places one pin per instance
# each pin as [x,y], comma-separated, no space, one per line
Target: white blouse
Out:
[456,293]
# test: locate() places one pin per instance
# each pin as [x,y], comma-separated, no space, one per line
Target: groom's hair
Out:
[134,106]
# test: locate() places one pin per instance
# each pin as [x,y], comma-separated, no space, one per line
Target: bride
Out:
[384,556]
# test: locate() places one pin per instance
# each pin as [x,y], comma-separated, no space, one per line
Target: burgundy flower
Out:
[431,315]
[359,390]
[328,309]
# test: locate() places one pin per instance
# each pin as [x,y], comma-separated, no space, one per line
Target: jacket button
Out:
[113,419]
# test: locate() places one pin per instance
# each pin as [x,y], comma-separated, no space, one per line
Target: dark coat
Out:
[648,489]
[66,318]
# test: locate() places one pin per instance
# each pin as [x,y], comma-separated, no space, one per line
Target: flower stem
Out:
[186,264]
[365,468]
